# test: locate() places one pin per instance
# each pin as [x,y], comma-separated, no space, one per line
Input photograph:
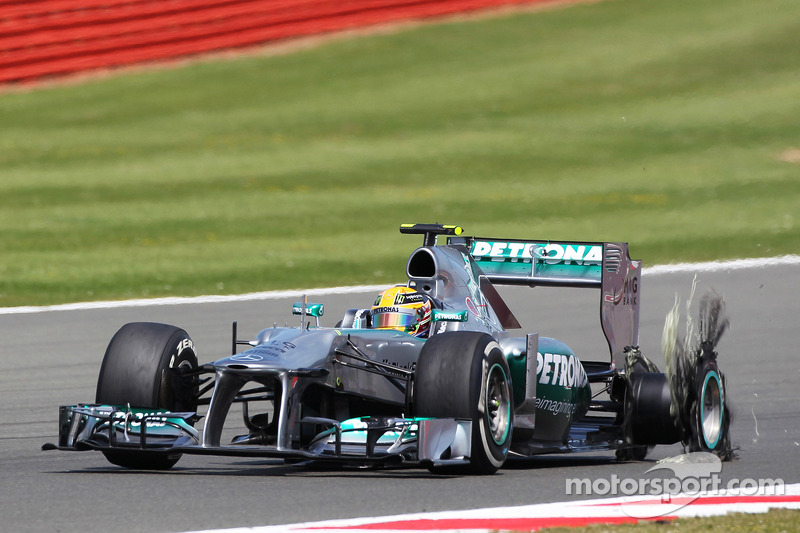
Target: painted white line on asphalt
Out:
[712,266]
[211,299]
[722,266]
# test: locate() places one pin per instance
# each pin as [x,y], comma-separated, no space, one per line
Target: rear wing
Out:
[601,265]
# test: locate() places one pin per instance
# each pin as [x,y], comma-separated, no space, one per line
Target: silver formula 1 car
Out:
[427,376]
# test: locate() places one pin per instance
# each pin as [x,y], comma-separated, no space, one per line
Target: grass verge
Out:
[668,125]
[774,521]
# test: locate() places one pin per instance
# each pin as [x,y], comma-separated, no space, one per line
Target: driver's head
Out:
[403,309]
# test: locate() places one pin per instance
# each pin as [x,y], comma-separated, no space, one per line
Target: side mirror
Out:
[315,310]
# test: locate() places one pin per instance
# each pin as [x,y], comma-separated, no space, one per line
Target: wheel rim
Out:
[711,411]
[498,405]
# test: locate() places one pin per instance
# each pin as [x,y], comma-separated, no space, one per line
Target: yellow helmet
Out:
[403,309]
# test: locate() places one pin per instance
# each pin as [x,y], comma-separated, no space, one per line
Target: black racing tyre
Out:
[143,367]
[463,374]
[647,412]
[708,418]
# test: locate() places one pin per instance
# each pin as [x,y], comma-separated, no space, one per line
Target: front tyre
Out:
[464,375]
[144,366]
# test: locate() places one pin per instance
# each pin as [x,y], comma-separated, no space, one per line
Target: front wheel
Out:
[144,366]
[463,374]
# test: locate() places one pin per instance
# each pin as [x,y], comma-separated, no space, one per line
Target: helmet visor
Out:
[395,319]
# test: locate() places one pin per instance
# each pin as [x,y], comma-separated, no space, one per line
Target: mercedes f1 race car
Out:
[428,376]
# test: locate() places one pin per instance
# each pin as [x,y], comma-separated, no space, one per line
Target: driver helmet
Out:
[403,309]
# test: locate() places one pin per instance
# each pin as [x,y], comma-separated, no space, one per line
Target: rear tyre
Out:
[144,366]
[647,412]
[465,375]
[708,418]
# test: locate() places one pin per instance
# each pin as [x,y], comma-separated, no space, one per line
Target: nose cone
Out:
[287,350]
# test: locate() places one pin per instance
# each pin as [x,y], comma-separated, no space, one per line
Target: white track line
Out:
[723,266]
[148,302]
[713,266]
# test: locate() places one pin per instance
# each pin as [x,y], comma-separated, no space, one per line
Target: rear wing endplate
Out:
[602,265]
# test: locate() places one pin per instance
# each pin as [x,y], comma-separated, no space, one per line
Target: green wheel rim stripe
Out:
[713,425]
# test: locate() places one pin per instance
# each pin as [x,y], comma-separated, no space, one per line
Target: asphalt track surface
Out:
[52,358]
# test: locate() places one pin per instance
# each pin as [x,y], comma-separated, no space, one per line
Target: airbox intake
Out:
[422,265]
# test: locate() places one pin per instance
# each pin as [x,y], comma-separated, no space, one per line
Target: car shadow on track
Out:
[260,468]
[278,468]
[541,462]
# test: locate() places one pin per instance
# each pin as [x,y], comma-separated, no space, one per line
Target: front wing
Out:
[378,440]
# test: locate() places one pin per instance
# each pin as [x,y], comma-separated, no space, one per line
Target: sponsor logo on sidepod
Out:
[560,369]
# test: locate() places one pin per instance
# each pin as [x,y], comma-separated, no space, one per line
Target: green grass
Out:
[657,123]
[774,521]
